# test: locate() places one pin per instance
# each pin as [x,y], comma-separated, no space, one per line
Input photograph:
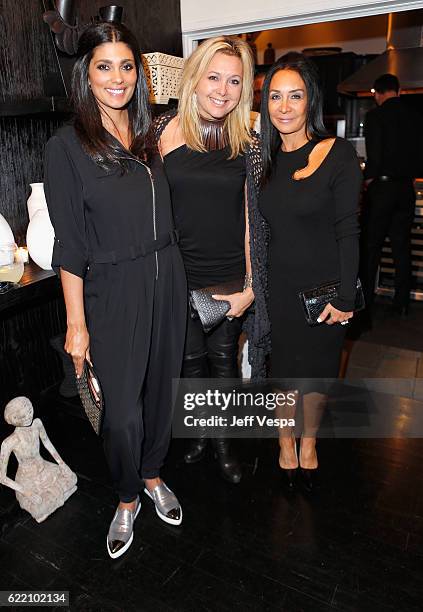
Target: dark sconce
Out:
[65,28]
[61,16]
[111,13]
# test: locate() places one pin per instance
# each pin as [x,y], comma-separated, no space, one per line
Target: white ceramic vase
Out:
[36,200]
[7,241]
[40,233]
[6,234]
[9,269]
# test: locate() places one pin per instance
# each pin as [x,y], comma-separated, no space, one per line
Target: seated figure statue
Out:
[41,486]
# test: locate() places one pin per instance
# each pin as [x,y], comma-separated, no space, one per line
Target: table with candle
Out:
[11,269]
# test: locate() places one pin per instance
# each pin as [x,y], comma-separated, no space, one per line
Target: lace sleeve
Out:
[160,123]
[257,325]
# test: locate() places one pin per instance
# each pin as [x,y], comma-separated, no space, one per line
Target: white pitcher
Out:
[36,200]
[40,233]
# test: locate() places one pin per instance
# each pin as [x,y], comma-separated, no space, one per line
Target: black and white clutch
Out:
[91,396]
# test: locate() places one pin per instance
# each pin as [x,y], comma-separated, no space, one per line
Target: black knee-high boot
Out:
[223,366]
[230,467]
[196,367]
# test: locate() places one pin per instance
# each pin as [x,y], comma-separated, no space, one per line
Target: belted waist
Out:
[135,251]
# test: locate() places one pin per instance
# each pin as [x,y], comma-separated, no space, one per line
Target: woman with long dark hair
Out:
[211,159]
[310,192]
[121,270]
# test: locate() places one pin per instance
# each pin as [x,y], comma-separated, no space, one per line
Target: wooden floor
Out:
[355,544]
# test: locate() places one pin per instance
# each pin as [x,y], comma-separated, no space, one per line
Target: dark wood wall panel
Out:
[21,163]
[26,52]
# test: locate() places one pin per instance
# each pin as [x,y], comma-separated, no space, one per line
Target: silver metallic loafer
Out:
[121,531]
[167,506]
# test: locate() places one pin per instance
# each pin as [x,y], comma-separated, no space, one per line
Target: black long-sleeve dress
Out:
[314,239]
[115,231]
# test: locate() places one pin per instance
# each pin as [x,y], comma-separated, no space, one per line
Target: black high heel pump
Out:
[290,474]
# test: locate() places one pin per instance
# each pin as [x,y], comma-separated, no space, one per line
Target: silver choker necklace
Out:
[213,134]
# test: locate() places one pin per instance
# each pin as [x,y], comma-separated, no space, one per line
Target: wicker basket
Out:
[163,74]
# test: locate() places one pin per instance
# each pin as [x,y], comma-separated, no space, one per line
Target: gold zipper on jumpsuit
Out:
[153,191]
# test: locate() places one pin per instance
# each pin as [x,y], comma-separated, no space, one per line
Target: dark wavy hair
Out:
[97,143]
[386,82]
[315,129]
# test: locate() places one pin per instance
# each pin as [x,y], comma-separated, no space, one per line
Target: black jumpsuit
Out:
[105,225]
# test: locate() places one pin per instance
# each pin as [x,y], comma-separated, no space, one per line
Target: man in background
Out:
[393,134]
[255,113]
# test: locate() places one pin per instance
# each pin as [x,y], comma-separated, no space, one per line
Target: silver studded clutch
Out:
[314,300]
[91,396]
[211,311]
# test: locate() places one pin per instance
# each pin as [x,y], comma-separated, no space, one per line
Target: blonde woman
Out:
[210,155]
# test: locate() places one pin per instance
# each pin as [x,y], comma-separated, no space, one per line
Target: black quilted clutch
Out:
[315,300]
[211,311]
[91,396]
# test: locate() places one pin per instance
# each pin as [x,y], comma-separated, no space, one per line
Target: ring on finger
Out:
[344,322]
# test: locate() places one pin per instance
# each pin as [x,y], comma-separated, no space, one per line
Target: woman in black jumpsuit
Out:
[312,211]
[114,230]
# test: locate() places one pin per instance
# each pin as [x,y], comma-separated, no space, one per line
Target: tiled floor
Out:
[401,367]
[355,544]
[379,361]
[372,356]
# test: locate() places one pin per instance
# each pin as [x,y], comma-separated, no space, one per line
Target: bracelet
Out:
[248,281]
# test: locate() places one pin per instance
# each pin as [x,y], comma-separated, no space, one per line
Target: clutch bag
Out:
[91,396]
[210,311]
[314,300]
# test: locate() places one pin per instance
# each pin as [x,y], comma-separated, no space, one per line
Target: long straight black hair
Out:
[103,149]
[315,129]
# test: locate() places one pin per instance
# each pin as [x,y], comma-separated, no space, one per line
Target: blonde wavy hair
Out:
[237,122]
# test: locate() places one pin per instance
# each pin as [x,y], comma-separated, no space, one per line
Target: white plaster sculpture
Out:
[40,233]
[41,486]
